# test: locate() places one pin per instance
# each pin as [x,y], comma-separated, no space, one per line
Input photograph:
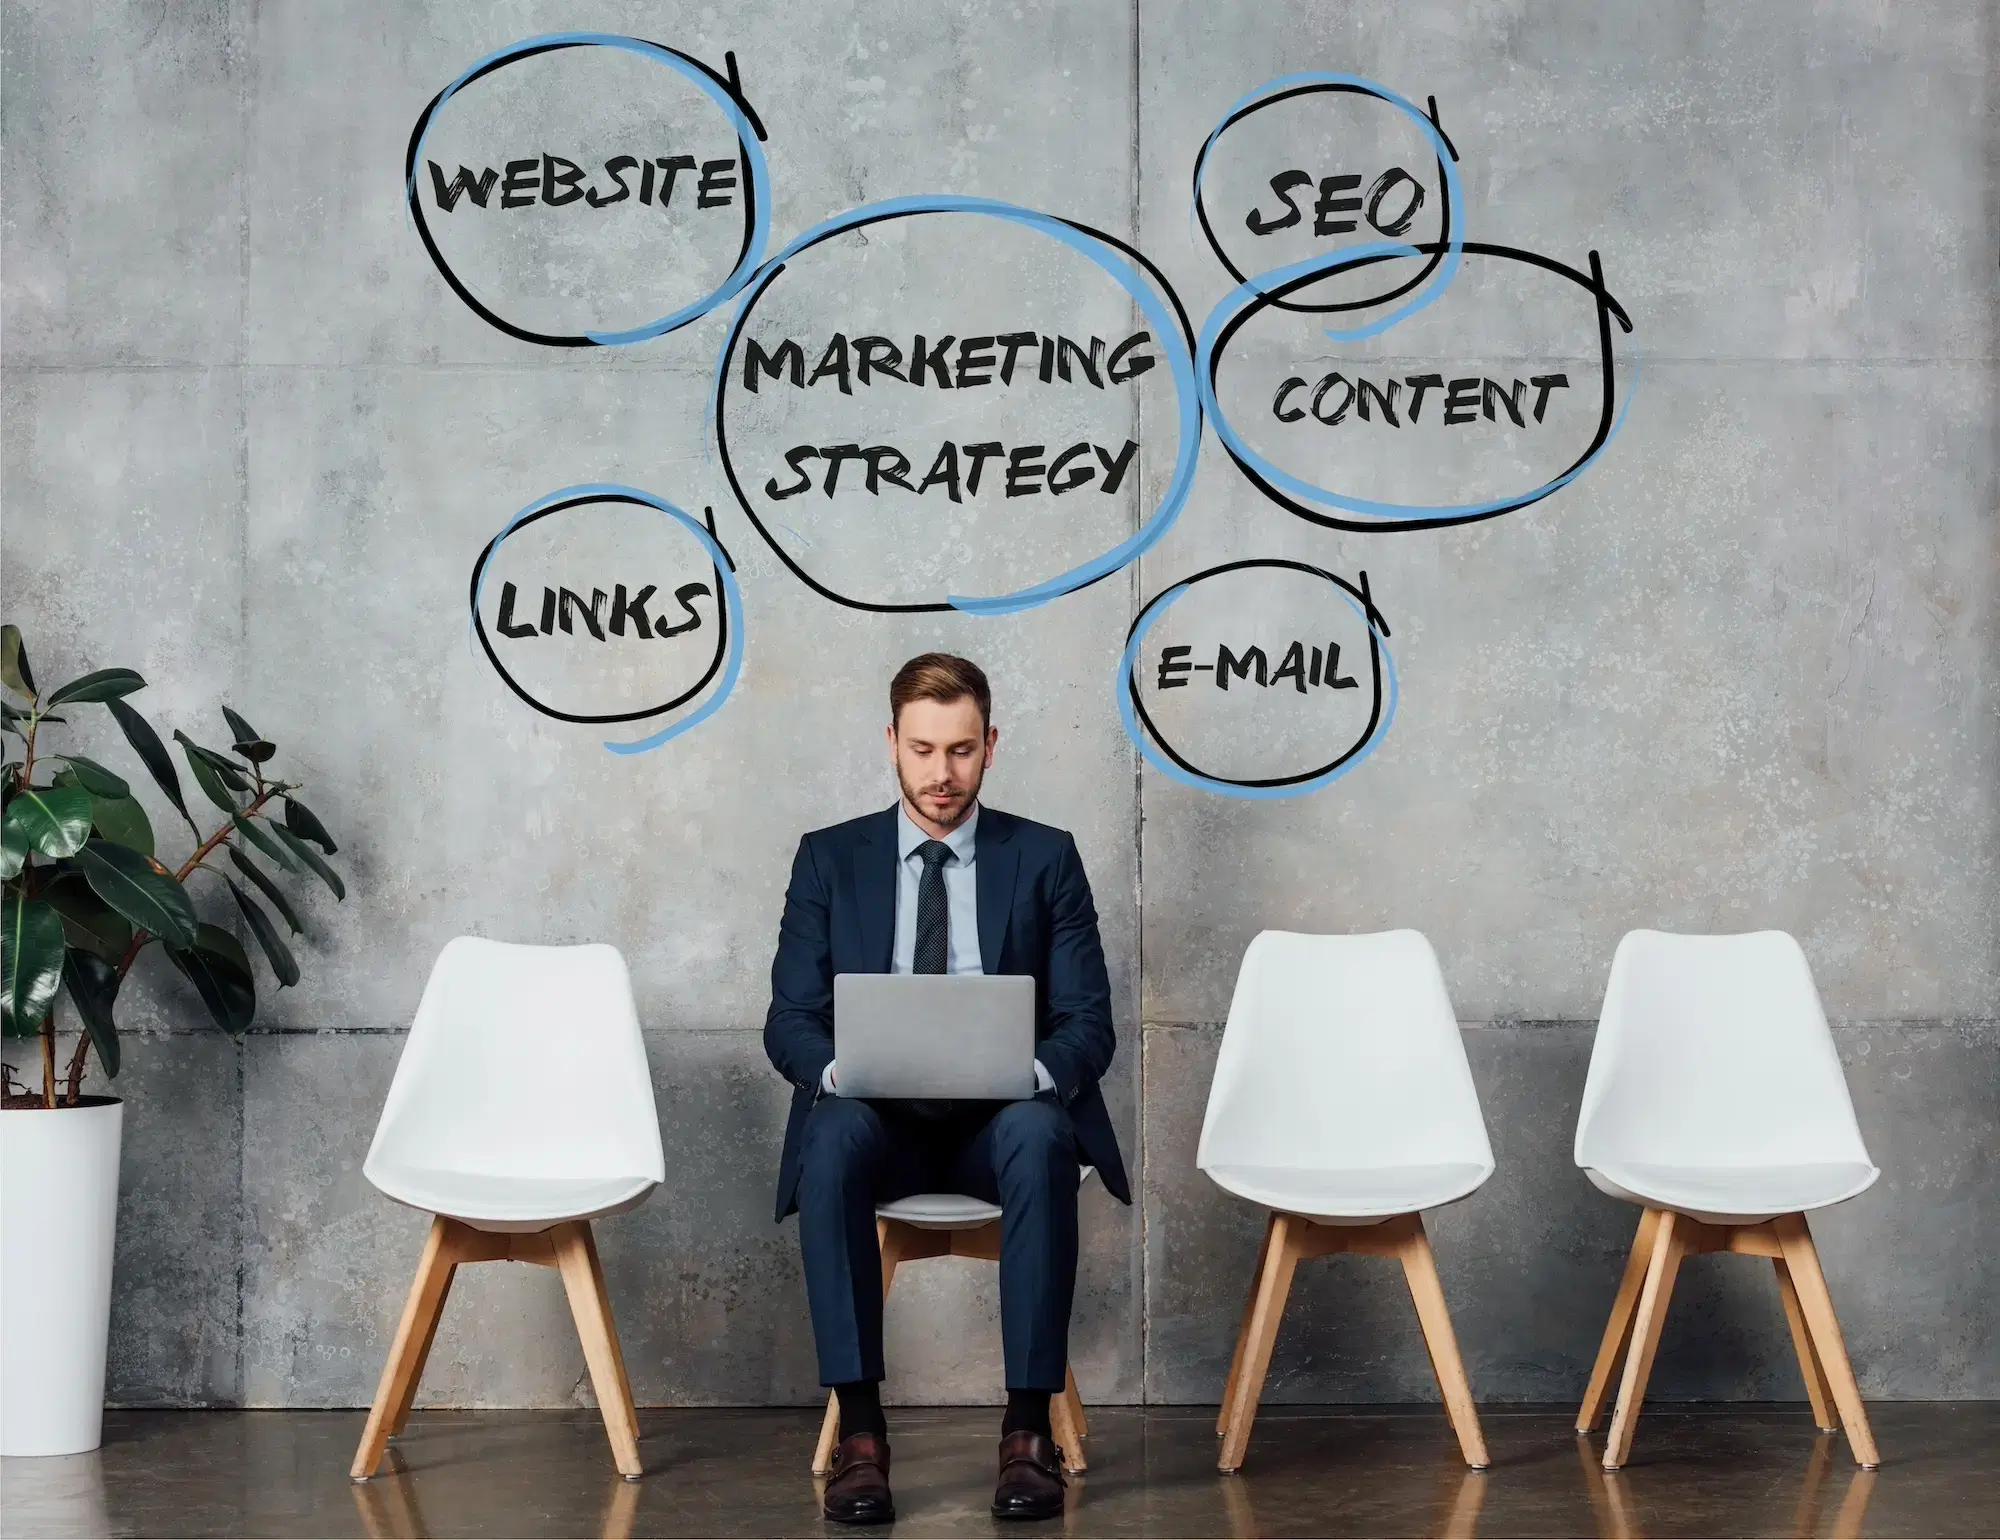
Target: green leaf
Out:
[105,684]
[33,967]
[140,889]
[256,750]
[94,778]
[93,985]
[88,921]
[270,847]
[310,856]
[267,887]
[54,820]
[124,821]
[239,729]
[152,753]
[300,820]
[13,851]
[220,972]
[276,953]
[206,776]
[14,662]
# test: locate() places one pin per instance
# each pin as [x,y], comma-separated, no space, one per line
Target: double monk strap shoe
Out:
[857,1486]
[1031,1478]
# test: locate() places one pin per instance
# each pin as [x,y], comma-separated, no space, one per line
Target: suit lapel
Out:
[995,864]
[875,891]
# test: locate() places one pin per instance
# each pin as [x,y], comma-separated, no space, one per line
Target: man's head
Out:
[941,737]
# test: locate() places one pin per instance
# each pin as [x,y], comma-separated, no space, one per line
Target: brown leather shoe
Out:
[857,1487]
[1031,1478]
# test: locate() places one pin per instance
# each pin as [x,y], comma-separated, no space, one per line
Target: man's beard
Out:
[911,795]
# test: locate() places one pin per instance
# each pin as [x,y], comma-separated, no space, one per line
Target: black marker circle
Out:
[1332,306]
[1375,623]
[1608,309]
[741,324]
[478,307]
[485,642]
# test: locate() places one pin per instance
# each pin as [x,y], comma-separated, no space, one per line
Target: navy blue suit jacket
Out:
[1035,917]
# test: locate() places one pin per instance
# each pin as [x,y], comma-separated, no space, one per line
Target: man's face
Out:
[941,749]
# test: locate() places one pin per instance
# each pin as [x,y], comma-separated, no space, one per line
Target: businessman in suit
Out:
[941,884]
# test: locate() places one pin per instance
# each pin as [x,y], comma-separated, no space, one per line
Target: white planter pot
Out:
[58,1219]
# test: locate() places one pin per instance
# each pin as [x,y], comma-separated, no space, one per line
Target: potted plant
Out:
[86,891]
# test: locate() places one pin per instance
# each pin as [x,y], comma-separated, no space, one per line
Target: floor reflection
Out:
[1455,1505]
[1620,1514]
[387,1503]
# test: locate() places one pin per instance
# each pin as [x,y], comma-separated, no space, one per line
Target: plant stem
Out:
[141,937]
[49,1060]
[28,754]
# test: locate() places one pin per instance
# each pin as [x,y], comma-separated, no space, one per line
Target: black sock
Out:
[1027,1412]
[861,1408]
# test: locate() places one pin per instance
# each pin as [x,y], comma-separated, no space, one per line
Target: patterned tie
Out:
[933,912]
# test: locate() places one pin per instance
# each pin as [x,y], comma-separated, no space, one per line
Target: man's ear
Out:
[992,738]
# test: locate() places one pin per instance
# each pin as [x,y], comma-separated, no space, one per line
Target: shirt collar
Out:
[961,840]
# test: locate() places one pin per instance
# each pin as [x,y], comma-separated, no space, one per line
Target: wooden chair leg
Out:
[583,1280]
[1618,1330]
[888,1246]
[413,1335]
[1274,1285]
[1816,1304]
[1243,1330]
[1420,1272]
[1069,1437]
[423,1353]
[1075,1401]
[1668,1248]
[1825,1418]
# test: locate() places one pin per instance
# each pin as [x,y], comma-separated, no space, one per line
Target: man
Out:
[936,884]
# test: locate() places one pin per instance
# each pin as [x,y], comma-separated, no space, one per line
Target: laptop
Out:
[948,1036]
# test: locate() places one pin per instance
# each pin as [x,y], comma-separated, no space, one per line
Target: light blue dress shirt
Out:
[961,895]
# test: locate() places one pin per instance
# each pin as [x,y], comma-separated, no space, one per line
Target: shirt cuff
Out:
[826,1079]
[1044,1081]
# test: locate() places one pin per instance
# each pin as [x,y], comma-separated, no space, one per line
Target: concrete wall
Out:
[1741,674]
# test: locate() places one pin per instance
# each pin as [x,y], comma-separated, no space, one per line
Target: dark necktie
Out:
[933,948]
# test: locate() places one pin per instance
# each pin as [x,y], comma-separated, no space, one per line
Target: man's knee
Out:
[841,1133]
[1033,1135]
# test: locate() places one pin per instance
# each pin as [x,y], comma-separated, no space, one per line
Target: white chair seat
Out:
[949,1210]
[940,1211]
[1734,1194]
[509,1203]
[1371,1194]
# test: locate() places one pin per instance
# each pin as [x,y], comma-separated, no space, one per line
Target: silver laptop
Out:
[952,1036]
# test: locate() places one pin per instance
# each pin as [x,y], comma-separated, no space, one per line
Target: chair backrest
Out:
[1713,1051]
[524,1061]
[1342,1052]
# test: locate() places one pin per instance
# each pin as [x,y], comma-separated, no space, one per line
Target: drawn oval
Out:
[601,231]
[920,522]
[1370,189]
[599,607]
[1258,678]
[1287,405]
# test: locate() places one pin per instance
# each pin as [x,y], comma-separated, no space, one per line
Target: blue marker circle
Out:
[1170,327]
[732,601]
[1264,792]
[756,176]
[1247,299]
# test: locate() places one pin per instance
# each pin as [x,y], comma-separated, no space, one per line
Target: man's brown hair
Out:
[940,676]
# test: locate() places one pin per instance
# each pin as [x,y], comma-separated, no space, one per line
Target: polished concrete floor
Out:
[1715,1470]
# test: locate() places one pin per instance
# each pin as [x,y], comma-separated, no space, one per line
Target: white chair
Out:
[1342,1102]
[945,1224]
[1716,1102]
[522,1109]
